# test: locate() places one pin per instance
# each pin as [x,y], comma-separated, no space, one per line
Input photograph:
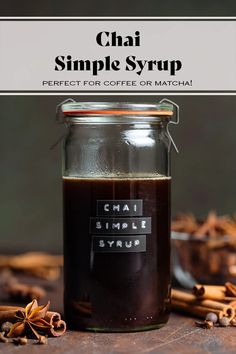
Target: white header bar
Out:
[75,55]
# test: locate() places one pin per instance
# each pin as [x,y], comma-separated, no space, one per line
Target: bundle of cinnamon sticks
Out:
[205,299]
[39,264]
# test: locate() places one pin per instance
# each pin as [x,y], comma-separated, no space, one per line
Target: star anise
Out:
[31,320]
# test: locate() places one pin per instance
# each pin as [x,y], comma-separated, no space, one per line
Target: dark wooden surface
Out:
[180,335]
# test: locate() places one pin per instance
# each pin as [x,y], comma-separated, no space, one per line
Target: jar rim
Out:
[122,109]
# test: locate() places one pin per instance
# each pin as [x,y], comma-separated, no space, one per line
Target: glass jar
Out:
[116,190]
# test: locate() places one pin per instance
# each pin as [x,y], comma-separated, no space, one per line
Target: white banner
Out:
[118,55]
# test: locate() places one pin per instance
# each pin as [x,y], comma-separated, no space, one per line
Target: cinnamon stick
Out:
[58,325]
[8,313]
[194,309]
[233,304]
[31,260]
[230,289]
[192,300]
[213,292]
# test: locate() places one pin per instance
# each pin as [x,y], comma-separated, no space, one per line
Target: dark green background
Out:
[118,8]
[30,176]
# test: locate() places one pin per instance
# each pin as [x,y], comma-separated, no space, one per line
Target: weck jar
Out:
[116,190]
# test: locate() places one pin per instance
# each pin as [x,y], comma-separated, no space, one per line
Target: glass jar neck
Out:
[116,112]
[110,119]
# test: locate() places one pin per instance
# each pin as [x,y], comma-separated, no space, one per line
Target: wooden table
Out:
[180,335]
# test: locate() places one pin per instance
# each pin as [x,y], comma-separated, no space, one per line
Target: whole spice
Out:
[233,322]
[58,326]
[189,303]
[42,340]
[205,324]
[224,321]
[209,324]
[6,327]
[20,341]
[225,292]
[214,312]
[3,339]
[8,313]
[211,316]
[213,292]
[31,319]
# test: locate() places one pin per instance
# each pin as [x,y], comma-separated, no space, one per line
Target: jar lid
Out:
[76,109]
